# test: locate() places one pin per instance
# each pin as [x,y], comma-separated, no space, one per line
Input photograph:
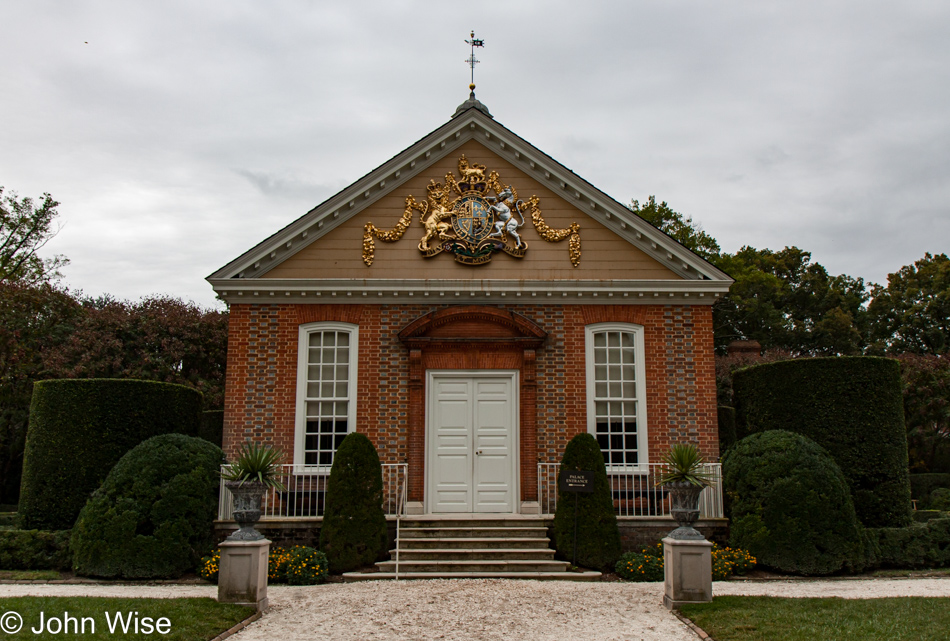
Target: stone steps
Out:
[473,546]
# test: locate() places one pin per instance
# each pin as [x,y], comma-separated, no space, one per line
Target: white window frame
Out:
[643,454]
[303,352]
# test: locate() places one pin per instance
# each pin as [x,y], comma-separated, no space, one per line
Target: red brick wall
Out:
[260,389]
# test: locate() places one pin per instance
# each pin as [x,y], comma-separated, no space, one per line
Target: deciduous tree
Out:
[24,230]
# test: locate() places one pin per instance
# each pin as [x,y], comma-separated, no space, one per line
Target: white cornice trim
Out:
[472,125]
[602,292]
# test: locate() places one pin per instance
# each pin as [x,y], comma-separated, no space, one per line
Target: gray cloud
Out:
[822,125]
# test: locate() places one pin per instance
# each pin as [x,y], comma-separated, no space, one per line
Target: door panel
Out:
[472,444]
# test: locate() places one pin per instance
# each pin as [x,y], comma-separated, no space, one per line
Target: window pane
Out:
[615,396]
[328,374]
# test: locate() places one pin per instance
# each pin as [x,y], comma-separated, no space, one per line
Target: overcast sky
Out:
[178,134]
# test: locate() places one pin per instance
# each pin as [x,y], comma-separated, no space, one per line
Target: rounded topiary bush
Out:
[790,505]
[851,406]
[80,428]
[598,537]
[153,515]
[354,525]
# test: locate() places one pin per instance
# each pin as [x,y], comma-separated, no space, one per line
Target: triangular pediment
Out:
[324,253]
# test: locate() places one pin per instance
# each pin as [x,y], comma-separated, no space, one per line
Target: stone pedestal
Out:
[242,573]
[687,568]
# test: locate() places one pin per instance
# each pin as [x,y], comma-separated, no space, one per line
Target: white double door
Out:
[472,441]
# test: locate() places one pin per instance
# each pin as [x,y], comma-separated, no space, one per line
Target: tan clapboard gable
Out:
[338,254]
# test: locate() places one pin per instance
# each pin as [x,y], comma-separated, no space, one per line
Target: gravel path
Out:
[486,609]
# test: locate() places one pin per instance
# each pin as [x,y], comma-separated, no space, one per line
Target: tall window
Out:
[616,398]
[326,391]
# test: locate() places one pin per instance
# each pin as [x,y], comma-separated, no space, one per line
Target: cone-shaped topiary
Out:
[598,538]
[152,517]
[354,526]
[790,505]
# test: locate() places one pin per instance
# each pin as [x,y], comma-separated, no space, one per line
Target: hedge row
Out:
[727,428]
[922,545]
[852,407]
[922,485]
[34,550]
[80,428]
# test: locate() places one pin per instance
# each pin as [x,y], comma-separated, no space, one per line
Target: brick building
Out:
[470,305]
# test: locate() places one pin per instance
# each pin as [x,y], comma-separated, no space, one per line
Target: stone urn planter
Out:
[684,500]
[684,480]
[246,508]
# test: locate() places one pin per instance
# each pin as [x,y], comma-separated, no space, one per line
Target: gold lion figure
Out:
[471,172]
[435,223]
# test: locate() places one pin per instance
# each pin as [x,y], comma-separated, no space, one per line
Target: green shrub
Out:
[277,564]
[80,428]
[728,561]
[922,545]
[598,538]
[34,550]
[727,428]
[297,566]
[790,505]
[923,485]
[922,516]
[852,407]
[153,515]
[645,565]
[210,566]
[940,499]
[306,566]
[212,426]
[354,525]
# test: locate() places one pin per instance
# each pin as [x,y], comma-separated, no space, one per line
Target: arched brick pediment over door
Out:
[473,337]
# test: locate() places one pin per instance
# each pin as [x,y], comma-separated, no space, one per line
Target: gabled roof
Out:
[242,276]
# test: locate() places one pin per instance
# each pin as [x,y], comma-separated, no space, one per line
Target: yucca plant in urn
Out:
[256,470]
[684,478]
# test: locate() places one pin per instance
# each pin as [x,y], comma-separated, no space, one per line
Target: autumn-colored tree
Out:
[926,379]
[158,338]
[33,319]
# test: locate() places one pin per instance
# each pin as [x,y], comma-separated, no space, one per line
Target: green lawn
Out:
[187,619]
[30,575]
[753,618]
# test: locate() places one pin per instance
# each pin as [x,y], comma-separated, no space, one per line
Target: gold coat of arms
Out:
[472,217]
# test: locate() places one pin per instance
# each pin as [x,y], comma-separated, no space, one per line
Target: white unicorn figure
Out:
[506,222]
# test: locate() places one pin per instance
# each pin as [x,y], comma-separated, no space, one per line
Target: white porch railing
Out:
[635,493]
[304,496]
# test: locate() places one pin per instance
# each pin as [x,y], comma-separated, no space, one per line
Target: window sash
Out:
[615,382]
[326,383]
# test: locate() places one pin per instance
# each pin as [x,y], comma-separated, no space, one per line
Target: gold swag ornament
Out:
[462,218]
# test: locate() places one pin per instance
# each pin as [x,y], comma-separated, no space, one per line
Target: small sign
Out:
[574,482]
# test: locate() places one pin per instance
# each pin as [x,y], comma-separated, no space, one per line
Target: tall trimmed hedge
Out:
[851,406]
[153,516]
[598,537]
[790,506]
[354,525]
[727,427]
[80,428]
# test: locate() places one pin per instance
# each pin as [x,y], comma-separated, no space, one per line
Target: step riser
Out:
[450,566]
[476,544]
[467,523]
[475,555]
[471,533]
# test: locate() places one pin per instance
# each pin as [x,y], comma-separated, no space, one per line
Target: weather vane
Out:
[471,59]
